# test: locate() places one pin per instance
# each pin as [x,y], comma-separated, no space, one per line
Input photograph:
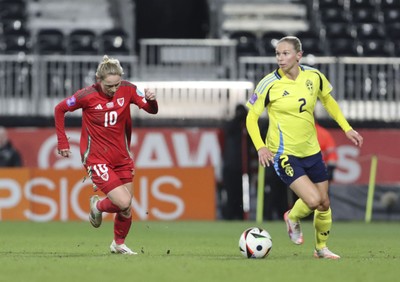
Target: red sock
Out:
[106,205]
[122,225]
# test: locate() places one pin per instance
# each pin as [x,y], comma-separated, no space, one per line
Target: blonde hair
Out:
[108,66]
[294,41]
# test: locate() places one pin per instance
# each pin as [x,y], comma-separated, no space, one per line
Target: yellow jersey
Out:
[290,105]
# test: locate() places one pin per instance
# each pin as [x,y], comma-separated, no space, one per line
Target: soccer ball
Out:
[255,243]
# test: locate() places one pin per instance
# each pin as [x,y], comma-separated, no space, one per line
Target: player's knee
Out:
[313,203]
[325,204]
[125,204]
[126,213]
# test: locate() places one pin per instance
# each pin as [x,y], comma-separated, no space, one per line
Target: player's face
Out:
[286,56]
[110,84]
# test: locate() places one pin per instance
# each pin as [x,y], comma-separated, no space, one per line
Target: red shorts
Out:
[107,178]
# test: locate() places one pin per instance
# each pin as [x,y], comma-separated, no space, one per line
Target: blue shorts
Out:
[289,168]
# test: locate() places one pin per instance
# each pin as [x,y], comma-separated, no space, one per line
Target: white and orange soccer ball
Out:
[255,243]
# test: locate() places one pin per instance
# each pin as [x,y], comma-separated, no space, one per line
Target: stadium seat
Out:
[269,40]
[247,43]
[392,4]
[393,30]
[12,9]
[375,48]
[339,29]
[114,42]
[312,46]
[329,15]
[396,47]
[311,43]
[50,41]
[371,31]
[355,4]
[12,24]
[343,47]
[365,15]
[82,41]
[17,42]
[323,4]
[308,34]
[391,15]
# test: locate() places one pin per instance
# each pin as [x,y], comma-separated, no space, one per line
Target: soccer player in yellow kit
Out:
[290,94]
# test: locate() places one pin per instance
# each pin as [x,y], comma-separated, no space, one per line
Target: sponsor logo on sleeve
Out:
[253,98]
[71,101]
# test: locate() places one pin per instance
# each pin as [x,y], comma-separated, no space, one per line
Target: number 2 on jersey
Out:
[303,103]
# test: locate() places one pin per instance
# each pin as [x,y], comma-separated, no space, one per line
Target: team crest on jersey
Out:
[102,171]
[310,86]
[289,171]
[105,176]
[120,101]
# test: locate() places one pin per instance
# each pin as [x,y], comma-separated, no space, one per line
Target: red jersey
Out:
[106,123]
[327,144]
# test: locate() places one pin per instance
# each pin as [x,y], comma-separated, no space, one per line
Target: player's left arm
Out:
[151,106]
[335,112]
[146,101]
[330,104]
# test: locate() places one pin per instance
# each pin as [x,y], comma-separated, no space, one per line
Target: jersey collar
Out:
[279,73]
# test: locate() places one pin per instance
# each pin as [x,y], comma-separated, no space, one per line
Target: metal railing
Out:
[215,100]
[188,59]
[366,88]
[31,85]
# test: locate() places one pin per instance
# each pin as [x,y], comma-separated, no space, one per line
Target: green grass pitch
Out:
[193,251]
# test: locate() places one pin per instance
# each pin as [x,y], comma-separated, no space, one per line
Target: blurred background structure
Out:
[50,49]
[202,57]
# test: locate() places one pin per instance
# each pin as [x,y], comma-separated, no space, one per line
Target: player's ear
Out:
[299,55]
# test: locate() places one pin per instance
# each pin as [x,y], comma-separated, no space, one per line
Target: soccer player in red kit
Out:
[328,149]
[105,143]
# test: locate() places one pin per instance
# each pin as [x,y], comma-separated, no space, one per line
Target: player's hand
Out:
[149,95]
[355,137]
[265,156]
[65,153]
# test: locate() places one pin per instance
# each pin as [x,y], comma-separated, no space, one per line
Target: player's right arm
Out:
[256,106]
[68,104]
[265,156]
[254,130]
